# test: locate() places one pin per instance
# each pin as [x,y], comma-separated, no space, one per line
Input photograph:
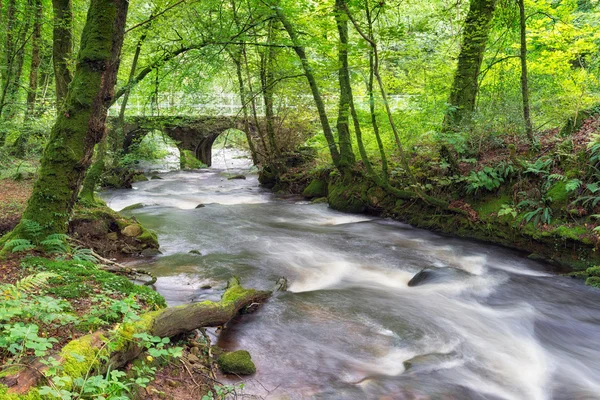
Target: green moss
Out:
[317,188]
[491,205]
[558,193]
[578,233]
[80,356]
[189,161]
[135,206]
[348,195]
[593,271]
[32,394]
[76,277]
[593,281]
[148,237]
[139,178]
[237,362]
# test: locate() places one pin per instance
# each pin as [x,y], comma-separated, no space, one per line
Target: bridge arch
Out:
[195,134]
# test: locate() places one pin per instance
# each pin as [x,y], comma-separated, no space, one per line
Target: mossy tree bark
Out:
[465,87]
[81,123]
[36,39]
[62,48]
[347,159]
[267,82]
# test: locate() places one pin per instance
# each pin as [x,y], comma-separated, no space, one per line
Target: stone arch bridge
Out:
[196,134]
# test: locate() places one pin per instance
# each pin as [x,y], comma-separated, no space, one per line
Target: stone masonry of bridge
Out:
[196,134]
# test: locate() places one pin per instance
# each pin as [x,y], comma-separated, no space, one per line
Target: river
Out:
[494,325]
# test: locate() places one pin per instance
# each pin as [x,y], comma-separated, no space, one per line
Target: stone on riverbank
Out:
[237,362]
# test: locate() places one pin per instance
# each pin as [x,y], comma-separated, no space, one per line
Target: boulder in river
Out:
[436,275]
[155,177]
[240,176]
[200,205]
[196,252]
[237,362]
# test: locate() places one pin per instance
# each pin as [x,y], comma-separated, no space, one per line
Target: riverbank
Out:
[544,202]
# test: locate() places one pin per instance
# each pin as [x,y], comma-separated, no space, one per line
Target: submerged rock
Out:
[426,362]
[155,177]
[196,252]
[237,177]
[436,275]
[139,178]
[200,206]
[150,252]
[133,207]
[237,362]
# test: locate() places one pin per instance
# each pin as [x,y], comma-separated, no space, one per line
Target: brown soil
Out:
[13,198]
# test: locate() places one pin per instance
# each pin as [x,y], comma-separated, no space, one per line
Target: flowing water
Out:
[497,326]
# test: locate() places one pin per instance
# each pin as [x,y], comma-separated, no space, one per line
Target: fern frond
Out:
[17,245]
[27,284]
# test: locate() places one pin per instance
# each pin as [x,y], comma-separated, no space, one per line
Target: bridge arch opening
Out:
[156,151]
[226,149]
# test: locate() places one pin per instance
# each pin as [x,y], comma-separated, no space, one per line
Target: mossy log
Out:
[81,356]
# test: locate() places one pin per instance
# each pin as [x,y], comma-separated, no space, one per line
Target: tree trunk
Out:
[266,75]
[524,80]
[62,48]
[242,93]
[80,125]
[370,91]
[87,194]
[312,82]
[9,52]
[35,59]
[465,86]
[82,355]
[347,158]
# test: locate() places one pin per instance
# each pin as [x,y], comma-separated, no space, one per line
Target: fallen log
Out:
[102,351]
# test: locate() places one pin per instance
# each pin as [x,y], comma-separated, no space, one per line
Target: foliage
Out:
[541,213]
[489,178]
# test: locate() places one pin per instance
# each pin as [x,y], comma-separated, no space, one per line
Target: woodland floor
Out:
[13,197]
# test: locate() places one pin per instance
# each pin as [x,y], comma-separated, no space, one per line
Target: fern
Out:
[26,285]
[80,254]
[573,185]
[56,243]
[31,228]
[17,245]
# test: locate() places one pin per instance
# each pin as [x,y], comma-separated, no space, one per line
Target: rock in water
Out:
[200,206]
[196,252]
[133,207]
[436,275]
[155,177]
[237,362]
[237,177]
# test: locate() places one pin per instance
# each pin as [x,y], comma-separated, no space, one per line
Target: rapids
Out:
[350,327]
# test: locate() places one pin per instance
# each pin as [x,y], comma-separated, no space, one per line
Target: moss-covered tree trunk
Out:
[36,40]
[267,82]
[347,158]
[465,87]
[62,47]
[81,123]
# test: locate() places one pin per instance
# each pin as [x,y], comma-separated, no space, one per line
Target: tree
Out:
[81,123]
[62,48]
[466,85]
[524,79]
